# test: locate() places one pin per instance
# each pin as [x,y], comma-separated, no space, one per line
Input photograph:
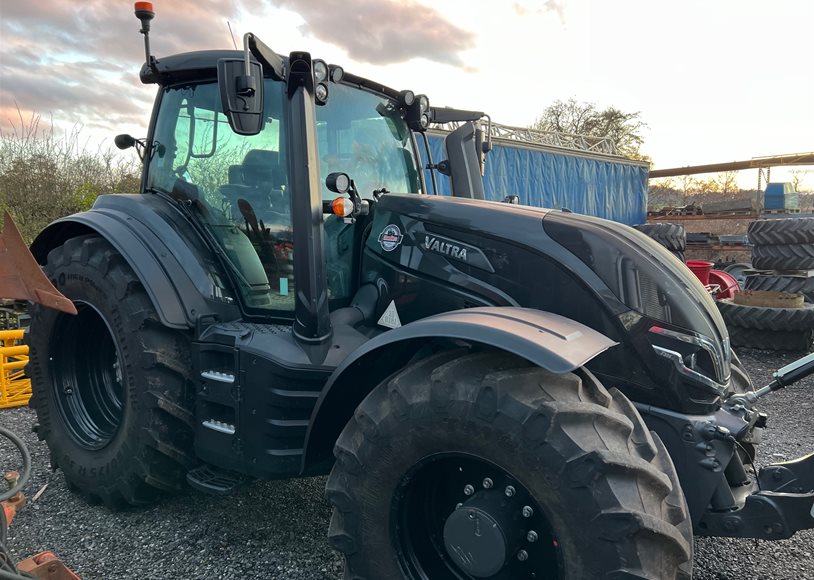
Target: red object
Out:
[701,270]
[148,6]
[726,282]
[46,566]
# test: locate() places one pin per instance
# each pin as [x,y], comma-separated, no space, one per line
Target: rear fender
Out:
[158,244]
[551,341]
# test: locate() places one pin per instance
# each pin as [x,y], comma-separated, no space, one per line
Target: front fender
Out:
[176,269]
[553,342]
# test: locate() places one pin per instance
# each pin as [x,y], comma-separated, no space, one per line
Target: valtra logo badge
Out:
[390,238]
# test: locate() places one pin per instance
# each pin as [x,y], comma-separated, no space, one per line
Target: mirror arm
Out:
[266,56]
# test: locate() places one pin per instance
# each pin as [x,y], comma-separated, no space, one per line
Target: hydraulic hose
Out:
[7,569]
[20,445]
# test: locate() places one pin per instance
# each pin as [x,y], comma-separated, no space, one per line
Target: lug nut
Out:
[487,483]
[522,555]
[531,536]
[509,491]
[527,511]
[469,490]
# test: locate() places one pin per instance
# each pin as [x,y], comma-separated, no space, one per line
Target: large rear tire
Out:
[111,386]
[424,468]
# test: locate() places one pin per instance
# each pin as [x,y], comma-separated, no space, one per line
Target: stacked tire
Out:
[782,322]
[782,244]
[784,251]
[671,236]
[784,247]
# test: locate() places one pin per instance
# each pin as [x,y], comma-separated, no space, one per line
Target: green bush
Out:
[44,176]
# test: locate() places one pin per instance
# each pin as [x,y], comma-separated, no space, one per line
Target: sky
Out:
[715,80]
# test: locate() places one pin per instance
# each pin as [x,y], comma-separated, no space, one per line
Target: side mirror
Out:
[124,141]
[464,162]
[241,95]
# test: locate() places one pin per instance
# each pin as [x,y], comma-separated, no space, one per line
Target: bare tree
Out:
[798,179]
[581,118]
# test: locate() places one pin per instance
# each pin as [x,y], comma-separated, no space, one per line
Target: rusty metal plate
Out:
[21,278]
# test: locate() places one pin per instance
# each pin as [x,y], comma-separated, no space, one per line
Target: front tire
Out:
[603,494]
[111,385]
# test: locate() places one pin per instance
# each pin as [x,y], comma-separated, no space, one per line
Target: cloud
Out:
[548,6]
[383,31]
[79,63]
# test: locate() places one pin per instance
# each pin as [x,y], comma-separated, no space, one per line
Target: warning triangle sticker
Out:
[390,318]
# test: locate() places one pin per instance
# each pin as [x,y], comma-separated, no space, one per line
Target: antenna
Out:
[232,34]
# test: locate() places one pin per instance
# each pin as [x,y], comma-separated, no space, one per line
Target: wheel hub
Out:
[475,540]
[460,516]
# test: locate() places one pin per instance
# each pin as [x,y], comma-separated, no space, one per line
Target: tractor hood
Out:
[601,273]
[640,272]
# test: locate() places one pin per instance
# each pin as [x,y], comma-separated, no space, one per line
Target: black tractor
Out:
[497,391]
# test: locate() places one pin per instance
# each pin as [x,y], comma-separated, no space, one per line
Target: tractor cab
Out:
[239,186]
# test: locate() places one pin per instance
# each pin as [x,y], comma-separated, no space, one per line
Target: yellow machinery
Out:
[15,387]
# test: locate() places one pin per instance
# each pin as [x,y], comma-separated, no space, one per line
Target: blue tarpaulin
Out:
[614,189]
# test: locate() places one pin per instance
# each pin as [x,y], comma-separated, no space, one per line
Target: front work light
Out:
[321,93]
[320,71]
[337,72]
[338,182]
[406,98]
[418,114]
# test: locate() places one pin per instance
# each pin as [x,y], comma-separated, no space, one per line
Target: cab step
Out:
[215,481]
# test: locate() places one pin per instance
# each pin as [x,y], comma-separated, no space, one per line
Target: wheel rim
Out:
[738,272]
[458,516]
[86,377]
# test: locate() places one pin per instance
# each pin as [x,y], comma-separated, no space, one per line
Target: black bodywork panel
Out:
[183,278]
[515,262]
[548,340]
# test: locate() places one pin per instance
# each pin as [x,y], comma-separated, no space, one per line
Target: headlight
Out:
[687,361]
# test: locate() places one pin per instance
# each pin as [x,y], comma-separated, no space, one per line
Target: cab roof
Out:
[202,65]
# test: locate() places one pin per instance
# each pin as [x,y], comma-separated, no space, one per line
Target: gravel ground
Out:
[277,529]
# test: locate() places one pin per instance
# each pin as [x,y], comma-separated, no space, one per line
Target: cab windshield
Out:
[238,185]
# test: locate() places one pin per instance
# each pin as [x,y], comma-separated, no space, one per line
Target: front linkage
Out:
[712,452]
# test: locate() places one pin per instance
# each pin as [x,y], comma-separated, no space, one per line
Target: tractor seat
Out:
[259,181]
[260,168]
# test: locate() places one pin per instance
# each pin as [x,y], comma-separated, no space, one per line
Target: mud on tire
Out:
[604,482]
[111,387]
